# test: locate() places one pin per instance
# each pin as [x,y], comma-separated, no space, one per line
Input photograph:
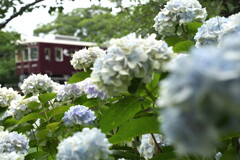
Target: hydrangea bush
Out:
[140,99]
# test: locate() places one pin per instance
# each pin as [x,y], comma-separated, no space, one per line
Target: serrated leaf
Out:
[119,113]
[37,155]
[33,104]
[53,126]
[193,27]
[77,77]
[46,97]
[58,110]
[183,46]
[9,122]
[171,41]
[91,103]
[135,127]
[42,134]
[31,116]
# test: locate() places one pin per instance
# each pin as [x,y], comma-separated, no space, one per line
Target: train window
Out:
[59,54]
[25,54]
[18,57]
[47,52]
[34,53]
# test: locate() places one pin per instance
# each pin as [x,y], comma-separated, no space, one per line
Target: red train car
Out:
[50,57]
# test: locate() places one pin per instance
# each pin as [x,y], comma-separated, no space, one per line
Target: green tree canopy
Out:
[7,53]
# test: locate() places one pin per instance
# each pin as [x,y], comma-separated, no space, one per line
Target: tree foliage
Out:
[7,57]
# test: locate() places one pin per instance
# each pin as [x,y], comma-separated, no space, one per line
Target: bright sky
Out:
[26,23]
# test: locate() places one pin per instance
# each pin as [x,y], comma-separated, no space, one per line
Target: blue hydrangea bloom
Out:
[78,115]
[90,144]
[209,32]
[200,94]
[13,142]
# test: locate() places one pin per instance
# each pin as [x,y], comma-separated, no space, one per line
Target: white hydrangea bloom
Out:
[127,58]
[37,84]
[176,13]
[209,32]
[13,142]
[11,156]
[19,108]
[232,27]
[7,95]
[69,91]
[84,58]
[85,145]
[201,92]
[148,147]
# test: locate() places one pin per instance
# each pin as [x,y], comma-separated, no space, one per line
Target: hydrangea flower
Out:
[11,156]
[37,84]
[177,13]
[13,142]
[232,27]
[92,90]
[19,108]
[201,92]
[84,58]
[78,115]
[127,58]
[148,147]
[69,91]
[209,32]
[7,95]
[85,145]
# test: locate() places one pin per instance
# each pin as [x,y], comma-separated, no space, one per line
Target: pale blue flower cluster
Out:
[69,91]
[13,142]
[176,13]
[19,108]
[7,95]
[75,90]
[232,27]
[90,144]
[84,58]
[92,90]
[201,97]
[209,32]
[37,84]
[148,147]
[127,58]
[12,156]
[78,115]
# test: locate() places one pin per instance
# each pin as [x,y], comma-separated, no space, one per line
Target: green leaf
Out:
[33,104]
[77,77]
[28,95]
[58,110]
[42,134]
[135,128]
[171,41]
[46,97]
[53,126]
[193,27]
[183,46]
[9,122]
[119,113]
[37,155]
[91,103]
[31,116]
